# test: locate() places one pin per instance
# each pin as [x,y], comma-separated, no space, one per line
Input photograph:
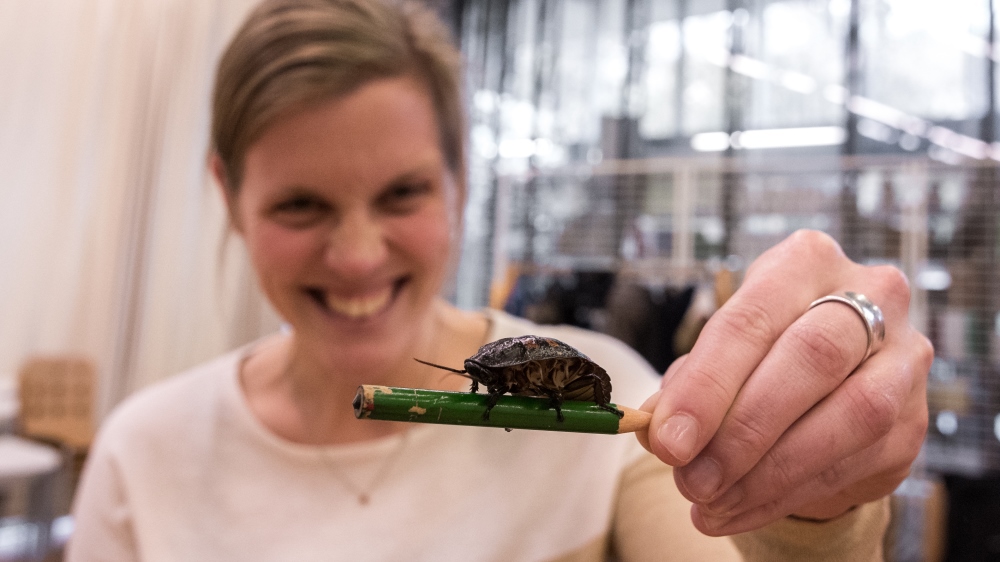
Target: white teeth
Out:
[360,307]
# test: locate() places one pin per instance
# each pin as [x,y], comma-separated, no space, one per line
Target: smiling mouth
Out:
[357,308]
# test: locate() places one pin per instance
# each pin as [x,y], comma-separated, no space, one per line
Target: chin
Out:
[376,344]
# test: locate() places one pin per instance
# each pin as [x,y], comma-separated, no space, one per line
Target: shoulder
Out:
[171,406]
[632,377]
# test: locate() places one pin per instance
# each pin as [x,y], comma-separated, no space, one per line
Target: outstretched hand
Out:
[773,413]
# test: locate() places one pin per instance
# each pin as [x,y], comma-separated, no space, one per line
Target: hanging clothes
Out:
[647,319]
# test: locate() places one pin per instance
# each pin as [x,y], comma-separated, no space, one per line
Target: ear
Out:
[218,170]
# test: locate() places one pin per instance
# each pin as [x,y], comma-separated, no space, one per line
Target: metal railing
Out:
[679,220]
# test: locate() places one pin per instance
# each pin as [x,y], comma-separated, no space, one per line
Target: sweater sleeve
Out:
[652,522]
[652,519]
[103,528]
[854,536]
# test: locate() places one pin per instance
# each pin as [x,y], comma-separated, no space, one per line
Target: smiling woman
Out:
[353,250]
[338,147]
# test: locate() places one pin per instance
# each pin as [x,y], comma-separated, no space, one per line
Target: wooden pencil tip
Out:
[633,420]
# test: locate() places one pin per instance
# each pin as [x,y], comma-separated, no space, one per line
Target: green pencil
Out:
[511,412]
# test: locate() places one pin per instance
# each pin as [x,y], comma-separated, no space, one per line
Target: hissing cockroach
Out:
[536,366]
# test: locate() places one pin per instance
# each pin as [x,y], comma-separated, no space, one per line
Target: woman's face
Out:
[346,210]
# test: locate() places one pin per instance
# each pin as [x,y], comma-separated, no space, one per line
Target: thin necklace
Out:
[364,493]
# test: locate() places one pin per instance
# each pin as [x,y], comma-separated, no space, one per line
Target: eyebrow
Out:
[420,171]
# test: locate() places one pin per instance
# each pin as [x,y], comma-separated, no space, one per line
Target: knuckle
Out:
[772,509]
[786,472]
[892,282]
[710,386]
[817,245]
[925,355]
[801,246]
[886,480]
[750,434]
[916,431]
[874,412]
[747,321]
[896,477]
[833,476]
[819,348]
[914,444]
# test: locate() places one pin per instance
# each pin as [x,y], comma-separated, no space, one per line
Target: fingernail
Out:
[726,502]
[679,436]
[702,478]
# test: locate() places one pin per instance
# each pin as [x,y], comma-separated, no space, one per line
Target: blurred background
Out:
[629,158]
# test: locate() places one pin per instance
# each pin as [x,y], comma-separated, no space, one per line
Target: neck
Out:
[304,400]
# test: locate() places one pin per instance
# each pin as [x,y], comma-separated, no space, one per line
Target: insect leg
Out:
[491,400]
[612,409]
[557,400]
[600,397]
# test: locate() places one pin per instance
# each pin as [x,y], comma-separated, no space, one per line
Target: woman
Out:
[338,143]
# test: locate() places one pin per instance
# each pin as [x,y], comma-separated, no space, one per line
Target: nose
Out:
[357,246]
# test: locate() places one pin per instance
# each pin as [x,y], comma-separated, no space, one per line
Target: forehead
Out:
[379,130]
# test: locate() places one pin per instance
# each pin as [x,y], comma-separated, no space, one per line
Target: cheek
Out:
[427,239]
[279,252]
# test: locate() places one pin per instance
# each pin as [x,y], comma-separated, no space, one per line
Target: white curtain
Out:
[110,228]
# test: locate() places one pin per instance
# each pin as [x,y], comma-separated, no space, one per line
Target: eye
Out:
[404,197]
[299,210]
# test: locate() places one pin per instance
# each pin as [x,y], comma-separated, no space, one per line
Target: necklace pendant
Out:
[363,499]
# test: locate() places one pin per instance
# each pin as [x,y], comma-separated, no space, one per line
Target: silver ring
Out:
[871,316]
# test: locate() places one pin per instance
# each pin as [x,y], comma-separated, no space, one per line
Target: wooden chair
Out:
[56,396]
[42,465]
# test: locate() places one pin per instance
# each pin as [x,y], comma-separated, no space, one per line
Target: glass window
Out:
[706,40]
[663,57]
[935,48]
[593,65]
[794,52]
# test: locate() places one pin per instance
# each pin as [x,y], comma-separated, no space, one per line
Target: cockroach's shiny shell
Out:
[510,352]
[536,366]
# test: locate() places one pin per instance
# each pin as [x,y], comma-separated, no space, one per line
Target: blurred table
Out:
[29,474]
[21,459]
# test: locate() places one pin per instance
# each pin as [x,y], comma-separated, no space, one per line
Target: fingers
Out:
[778,288]
[650,404]
[833,491]
[855,446]
[770,413]
[844,484]
[809,360]
[647,406]
[672,369]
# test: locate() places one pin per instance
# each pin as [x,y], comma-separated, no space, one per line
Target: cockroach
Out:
[536,366]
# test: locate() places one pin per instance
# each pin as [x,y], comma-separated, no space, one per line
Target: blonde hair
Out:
[290,54]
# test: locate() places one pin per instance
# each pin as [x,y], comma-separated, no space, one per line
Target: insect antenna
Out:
[463,372]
